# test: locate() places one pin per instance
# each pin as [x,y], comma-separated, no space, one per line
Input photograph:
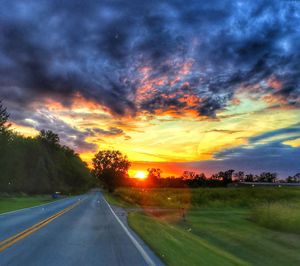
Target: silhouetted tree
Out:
[188,175]
[225,177]
[49,137]
[110,167]
[3,119]
[154,174]
[239,176]
[267,177]
[249,178]
[199,180]
[294,179]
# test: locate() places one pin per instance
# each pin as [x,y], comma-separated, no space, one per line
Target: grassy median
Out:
[12,203]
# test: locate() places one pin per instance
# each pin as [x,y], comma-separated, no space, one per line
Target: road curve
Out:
[81,230]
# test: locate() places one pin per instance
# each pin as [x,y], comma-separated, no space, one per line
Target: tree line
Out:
[111,169]
[221,179]
[40,164]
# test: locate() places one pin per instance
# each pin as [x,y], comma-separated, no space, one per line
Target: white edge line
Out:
[144,254]
[29,208]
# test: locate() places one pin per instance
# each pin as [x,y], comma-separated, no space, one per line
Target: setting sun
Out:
[140,175]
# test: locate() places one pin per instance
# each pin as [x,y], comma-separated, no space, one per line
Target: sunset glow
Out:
[140,175]
[222,94]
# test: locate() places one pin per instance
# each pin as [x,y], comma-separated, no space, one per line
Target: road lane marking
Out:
[34,227]
[144,254]
[15,238]
[26,230]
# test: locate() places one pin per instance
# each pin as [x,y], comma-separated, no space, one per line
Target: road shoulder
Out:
[122,214]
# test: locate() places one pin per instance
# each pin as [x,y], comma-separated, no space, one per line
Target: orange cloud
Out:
[168,169]
[274,83]
[150,86]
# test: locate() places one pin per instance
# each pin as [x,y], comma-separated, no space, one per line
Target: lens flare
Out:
[140,175]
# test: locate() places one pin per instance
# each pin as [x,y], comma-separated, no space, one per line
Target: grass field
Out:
[279,216]
[247,226]
[10,203]
[205,197]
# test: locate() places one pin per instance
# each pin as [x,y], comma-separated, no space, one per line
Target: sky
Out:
[181,85]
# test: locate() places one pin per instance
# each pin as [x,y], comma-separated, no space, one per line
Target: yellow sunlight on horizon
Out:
[140,175]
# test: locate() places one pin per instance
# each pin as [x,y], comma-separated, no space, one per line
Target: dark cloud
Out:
[58,48]
[272,156]
[43,119]
[265,152]
[112,131]
[228,131]
[69,135]
[290,133]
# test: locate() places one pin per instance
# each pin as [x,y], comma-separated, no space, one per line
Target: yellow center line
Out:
[15,238]
[28,229]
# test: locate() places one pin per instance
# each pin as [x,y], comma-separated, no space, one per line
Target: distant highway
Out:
[265,184]
[81,230]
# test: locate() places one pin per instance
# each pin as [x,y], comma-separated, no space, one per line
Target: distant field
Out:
[247,226]
[205,197]
[8,203]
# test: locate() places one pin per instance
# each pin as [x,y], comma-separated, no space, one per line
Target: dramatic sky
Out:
[178,84]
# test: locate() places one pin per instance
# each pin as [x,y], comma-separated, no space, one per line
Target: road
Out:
[81,230]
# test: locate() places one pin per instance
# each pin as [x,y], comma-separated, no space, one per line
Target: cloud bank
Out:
[164,60]
[155,57]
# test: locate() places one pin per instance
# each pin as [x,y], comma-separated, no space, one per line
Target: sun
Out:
[140,175]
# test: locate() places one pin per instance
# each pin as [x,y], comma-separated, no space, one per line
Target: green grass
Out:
[204,197]
[134,197]
[278,216]
[117,201]
[19,202]
[177,246]
[216,237]
[223,226]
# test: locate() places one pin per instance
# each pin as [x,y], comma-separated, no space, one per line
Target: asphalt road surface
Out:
[81,230]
